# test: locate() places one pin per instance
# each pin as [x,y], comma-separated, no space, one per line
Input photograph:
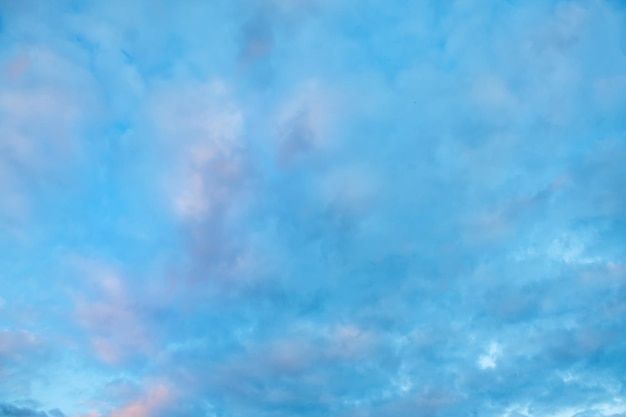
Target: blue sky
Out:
[312,208]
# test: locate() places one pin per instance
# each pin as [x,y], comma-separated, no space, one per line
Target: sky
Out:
[346,208]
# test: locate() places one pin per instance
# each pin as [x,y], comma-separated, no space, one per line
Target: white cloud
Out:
[488,360]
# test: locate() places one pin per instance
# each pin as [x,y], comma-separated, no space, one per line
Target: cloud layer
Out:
[307,207]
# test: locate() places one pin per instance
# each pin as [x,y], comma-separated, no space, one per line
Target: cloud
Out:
[315,208]
[15,344]
[22,354]
[257,38]
[150,404]
[303,124]
[109,302]
[10,410]
[200,127]
[44,104]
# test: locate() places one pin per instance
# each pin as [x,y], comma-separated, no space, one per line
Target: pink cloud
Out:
[112,320]
[154,399]
[89,414]
[18,66]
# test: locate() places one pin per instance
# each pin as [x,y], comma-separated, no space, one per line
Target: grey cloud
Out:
[297,138]
[257,36]
[11,410]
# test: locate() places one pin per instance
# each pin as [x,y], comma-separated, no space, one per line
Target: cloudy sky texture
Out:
[346,208]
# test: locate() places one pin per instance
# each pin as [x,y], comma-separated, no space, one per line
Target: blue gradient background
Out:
[312,208]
